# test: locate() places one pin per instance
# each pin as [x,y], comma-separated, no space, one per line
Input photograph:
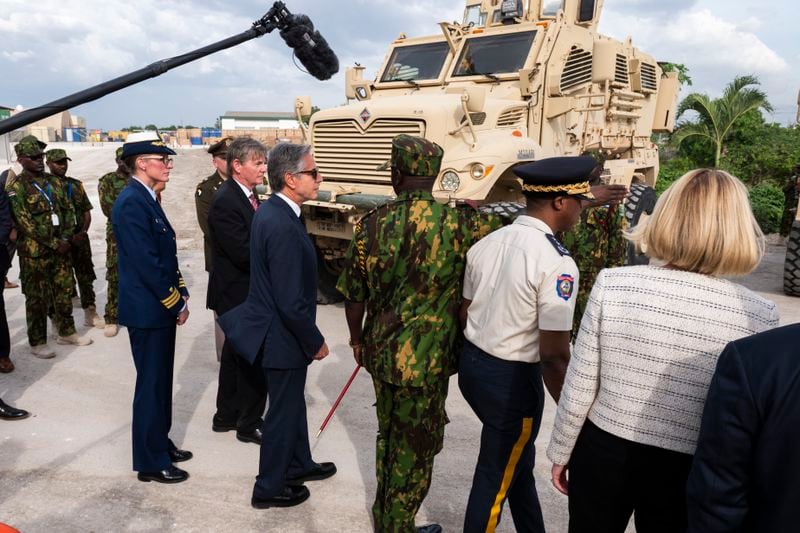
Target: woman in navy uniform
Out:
[152,302]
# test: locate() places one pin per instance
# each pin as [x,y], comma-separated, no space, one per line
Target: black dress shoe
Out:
[172,474]
[288,497]
[178,456]
[12,413]
[430,528]
[249,436]
[220,426]
[320,471]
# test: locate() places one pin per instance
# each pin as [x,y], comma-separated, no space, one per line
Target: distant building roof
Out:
[256,115]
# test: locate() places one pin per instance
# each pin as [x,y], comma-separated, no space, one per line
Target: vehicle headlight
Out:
[450,181]
[477,171]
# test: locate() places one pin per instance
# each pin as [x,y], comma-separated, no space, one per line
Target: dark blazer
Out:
[229,220]
[278,317]
[150,284]
[746,470]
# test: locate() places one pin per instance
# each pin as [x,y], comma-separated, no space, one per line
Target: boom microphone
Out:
[310,47]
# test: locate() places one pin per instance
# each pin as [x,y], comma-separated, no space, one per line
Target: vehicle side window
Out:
[550,7]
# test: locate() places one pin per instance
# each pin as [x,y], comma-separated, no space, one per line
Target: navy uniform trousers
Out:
[154,357]
[508,398]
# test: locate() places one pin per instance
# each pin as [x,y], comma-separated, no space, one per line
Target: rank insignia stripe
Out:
[560,248]
[564,286]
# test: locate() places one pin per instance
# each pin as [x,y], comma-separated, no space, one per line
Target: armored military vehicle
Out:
[514,81]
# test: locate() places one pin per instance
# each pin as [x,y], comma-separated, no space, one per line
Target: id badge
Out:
[54,219]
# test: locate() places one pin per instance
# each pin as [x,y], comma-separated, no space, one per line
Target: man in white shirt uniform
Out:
[519,296]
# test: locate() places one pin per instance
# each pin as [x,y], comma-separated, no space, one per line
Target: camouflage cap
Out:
[56,154]
[118,153]
[29,145]
[415,156]
[220,148]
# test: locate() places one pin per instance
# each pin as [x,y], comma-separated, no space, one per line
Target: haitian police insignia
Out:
[557,245]
[564,286]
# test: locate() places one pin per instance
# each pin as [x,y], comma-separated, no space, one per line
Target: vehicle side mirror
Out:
[475,98]
[525,85]
[302,107]
[355,88]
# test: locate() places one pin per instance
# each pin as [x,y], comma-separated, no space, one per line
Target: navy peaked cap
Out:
[558,176]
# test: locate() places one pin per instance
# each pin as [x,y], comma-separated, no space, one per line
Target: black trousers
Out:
[611,478]
[5,340]
[285,451]
[154,357]
[508,398]
[241,392]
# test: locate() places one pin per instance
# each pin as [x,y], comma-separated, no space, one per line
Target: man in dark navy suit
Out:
[746,470]
[276,326]
[152,302]
[241,391]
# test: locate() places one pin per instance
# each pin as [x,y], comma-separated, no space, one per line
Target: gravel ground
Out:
[67,468]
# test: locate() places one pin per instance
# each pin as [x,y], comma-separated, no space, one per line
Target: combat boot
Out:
[111,330]
[92,319]
[43,351]
[74,339]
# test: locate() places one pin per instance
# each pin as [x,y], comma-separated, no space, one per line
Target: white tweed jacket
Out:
[645,354]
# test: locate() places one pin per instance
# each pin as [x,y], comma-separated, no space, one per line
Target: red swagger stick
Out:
[339,399]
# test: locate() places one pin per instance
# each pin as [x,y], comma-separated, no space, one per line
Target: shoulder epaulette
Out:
[560,248]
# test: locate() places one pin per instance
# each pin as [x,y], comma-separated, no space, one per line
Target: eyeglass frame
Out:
[313,172]
[163,158]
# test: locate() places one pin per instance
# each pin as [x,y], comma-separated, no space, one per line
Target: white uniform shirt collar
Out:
[533,222]
[294,206]
[148,189]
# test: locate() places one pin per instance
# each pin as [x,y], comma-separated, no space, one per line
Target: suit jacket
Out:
[278,317]
[746,470]
[150,284]
[229,219]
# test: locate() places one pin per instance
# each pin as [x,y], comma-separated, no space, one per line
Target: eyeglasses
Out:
[164,159]
[314,172]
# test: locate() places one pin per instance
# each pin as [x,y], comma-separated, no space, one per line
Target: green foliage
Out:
[681,69]
[767,203]
[671,170]
[151,127]
[764,154]
[717,116]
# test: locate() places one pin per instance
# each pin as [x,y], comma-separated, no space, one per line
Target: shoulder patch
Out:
[560,248]
[564,286]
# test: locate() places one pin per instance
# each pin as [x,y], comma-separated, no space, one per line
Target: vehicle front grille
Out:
[510,118]
[621,72]
[345,151]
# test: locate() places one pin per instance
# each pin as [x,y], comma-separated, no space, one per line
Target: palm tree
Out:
[718,115]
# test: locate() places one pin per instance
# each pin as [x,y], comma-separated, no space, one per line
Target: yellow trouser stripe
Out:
[516,453]
[172,299]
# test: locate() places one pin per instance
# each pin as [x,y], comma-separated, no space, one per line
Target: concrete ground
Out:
[67,468]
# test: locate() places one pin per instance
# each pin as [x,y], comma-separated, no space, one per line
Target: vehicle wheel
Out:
[640,202]
[506,210]
[791,269]
[328,274]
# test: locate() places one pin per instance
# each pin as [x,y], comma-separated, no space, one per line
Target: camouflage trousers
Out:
[411,424]
[112,277]
[47,284]
[81,256]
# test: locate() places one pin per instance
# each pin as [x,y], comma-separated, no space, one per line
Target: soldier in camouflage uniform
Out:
[596,242]
[202,201]
[7,179]
[404,268]
[108,188]
[81,250]
[45,223]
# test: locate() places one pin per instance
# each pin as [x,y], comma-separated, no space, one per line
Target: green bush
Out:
[767,203]
[671,170]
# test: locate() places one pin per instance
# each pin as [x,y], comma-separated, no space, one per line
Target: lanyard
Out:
[69,188]
[47,195]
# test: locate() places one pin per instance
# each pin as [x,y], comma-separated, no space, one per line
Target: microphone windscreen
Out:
[310,47]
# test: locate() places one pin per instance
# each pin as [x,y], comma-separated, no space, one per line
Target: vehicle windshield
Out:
[416,62]
[494,54]
[473,15]
[550,7]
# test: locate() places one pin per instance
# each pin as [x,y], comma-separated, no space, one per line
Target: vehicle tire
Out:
[506,210]
[328,274]
[642,200]
[791,269]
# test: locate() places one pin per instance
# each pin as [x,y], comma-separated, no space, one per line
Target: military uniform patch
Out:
[557,245]
[564,286]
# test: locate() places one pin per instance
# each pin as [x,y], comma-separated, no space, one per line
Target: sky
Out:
[52,48]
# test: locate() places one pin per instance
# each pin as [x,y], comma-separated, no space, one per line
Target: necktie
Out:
[253,201]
